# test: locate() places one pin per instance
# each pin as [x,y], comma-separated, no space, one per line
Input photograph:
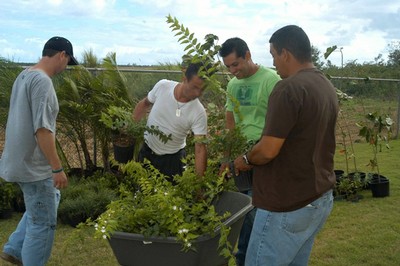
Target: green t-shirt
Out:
[252,96]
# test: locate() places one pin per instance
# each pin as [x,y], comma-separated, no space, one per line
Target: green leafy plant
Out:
[126,131]
[8,73]
[84,95]
[377,128]
[349,188]
[347,185]
[84,199]
[222,140]
[119,120]
[345,132]
[7,195]
[151,205]
[197,51]
[219,139]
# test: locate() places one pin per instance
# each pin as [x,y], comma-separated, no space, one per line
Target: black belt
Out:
[149,150]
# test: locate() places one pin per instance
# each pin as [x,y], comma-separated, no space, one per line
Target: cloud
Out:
[71,9]
[361,44]
[137,29]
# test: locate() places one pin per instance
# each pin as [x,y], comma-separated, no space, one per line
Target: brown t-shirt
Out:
[302,109]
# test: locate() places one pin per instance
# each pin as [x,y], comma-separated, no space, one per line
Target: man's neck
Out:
[44,65]
[298,67]
[253,68]
[178,93]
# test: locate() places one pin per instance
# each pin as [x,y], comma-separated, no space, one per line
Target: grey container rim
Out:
[228,222]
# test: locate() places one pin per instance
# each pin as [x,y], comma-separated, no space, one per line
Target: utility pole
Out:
[341,55]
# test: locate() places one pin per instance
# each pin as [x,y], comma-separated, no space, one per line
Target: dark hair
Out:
[193,69]
[49,52]
[295,40]
[234,45]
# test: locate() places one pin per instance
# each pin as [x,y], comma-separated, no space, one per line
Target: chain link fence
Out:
[368,96]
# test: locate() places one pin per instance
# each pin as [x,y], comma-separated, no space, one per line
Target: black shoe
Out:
[10,259]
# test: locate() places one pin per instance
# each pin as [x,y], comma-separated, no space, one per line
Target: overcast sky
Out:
[139,34]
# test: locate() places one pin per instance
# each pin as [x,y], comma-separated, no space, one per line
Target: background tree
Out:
[316,57]
[394,54]
[83,96]
[90,59]
[8,73]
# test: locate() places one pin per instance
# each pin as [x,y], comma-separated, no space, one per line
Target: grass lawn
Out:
[366,232]
[87,252]
[362,233]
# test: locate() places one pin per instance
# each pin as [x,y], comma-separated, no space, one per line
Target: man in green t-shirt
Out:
[249,89]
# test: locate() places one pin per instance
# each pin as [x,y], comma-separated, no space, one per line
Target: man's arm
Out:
[141,109]
[266,150]
[47,144]
[229,120]
[200,155]
[262,153]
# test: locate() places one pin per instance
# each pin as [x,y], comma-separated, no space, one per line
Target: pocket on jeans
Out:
[299,220]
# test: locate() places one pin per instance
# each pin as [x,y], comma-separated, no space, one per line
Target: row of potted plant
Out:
[376,130]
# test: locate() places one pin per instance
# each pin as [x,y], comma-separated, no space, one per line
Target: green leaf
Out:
[181,38]
[329,50]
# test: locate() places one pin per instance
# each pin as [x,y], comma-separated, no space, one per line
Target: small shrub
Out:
[83,200]
[7,195]
[349,188]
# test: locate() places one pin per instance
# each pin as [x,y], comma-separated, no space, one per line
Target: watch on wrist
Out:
[245,159]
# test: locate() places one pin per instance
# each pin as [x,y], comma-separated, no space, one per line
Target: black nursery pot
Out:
[123,154]
[338,174]
[379,186]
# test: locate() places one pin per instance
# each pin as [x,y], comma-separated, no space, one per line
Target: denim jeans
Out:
[286,238]
[33,238]
[245,233]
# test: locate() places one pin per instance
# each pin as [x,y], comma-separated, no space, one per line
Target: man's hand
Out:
[240,165]
[224,169]
[60,180]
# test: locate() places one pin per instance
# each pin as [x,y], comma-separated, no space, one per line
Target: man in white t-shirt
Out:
[175,110]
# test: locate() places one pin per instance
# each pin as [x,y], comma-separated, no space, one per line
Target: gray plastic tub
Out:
[136,250]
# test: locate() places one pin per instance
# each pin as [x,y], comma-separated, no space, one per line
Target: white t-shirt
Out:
[33,105]
[163,114]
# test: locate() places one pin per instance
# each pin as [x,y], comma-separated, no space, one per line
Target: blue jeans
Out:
[32,241]
[245,233]
[286,238]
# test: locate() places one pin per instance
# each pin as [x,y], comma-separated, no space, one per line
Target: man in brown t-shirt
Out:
[293,161]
